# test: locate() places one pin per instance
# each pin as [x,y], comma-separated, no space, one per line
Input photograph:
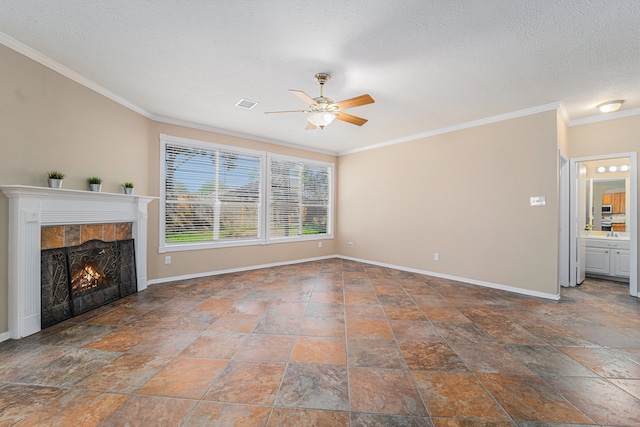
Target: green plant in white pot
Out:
[128,187]
[55,179]
[95,183]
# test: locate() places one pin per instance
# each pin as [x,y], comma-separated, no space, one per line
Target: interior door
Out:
[581,222]
[564,275]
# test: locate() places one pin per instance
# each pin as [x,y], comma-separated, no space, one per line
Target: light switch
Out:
[537,201]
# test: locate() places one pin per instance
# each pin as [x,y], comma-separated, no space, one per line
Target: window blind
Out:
[299,198]
[211,195]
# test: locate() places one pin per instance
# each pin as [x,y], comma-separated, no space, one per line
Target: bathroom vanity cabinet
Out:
[608,257]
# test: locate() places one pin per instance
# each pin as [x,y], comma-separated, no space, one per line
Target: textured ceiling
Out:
[428,64]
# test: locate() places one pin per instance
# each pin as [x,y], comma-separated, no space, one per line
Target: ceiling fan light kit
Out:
[321,119]
[323,111]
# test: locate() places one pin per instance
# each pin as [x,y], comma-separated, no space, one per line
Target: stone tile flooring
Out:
[332,343]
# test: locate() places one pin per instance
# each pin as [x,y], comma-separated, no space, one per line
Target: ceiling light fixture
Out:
[610,106]
[321,119]
[621,168]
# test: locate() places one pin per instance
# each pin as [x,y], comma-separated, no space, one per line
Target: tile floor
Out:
[332,343]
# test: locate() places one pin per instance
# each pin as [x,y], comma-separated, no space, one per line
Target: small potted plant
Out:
[55,179]
[95,183]
[128,187]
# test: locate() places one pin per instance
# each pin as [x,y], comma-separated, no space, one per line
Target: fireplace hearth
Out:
[77,279]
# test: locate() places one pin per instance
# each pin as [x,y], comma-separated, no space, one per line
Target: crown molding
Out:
[562,109]
[33,54]
[604,117]
[467,125]
[40,58]
[170,121]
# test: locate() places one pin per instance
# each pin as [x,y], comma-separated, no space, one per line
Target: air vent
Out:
[246,103]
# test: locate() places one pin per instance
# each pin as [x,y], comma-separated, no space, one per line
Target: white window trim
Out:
[163,246]
[330,211]
[263,216]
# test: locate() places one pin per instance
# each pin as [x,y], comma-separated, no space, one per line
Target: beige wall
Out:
[202,261]
[50,122]
[607,137]
[463,194]
[563,135]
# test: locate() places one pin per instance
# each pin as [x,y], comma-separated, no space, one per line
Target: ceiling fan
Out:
[322,110]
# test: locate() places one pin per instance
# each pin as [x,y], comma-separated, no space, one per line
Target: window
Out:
[299,198]
[212,196]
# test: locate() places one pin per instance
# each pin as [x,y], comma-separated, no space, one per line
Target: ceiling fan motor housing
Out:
[322,78]
[324,104]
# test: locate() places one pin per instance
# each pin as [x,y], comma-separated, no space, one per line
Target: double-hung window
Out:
[299,198]
[211,194]
[215,196]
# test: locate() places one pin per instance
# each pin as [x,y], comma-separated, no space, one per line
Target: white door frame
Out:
[633,213]
[564,235]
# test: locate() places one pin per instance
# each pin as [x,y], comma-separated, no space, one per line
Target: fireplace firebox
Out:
[77,279]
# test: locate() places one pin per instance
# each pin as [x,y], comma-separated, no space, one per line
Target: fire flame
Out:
[88,278]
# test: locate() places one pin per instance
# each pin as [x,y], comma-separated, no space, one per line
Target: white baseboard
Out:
[236,270]
[4,336]
[507,288]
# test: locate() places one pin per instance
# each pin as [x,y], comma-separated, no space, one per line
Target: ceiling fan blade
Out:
[306,98]
[310,126]
[354,120]
[355,102]
[283,112]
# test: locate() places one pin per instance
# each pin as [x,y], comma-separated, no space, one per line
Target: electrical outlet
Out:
[436,256]
[350,244]
[319,244]
[167,259]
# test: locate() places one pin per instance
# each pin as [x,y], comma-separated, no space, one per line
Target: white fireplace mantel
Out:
[30,208]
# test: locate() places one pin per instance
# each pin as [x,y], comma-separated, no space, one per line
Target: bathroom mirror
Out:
[606,205]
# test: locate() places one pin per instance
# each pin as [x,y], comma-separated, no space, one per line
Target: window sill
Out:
[208,245]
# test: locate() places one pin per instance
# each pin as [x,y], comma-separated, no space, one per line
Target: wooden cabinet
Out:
[616,200]
[617,203]
[618,227]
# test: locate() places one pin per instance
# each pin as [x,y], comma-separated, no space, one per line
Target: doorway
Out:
[564,224]
[595,247]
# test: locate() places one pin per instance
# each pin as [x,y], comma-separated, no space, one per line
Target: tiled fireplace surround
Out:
[62,236]
[42,217]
